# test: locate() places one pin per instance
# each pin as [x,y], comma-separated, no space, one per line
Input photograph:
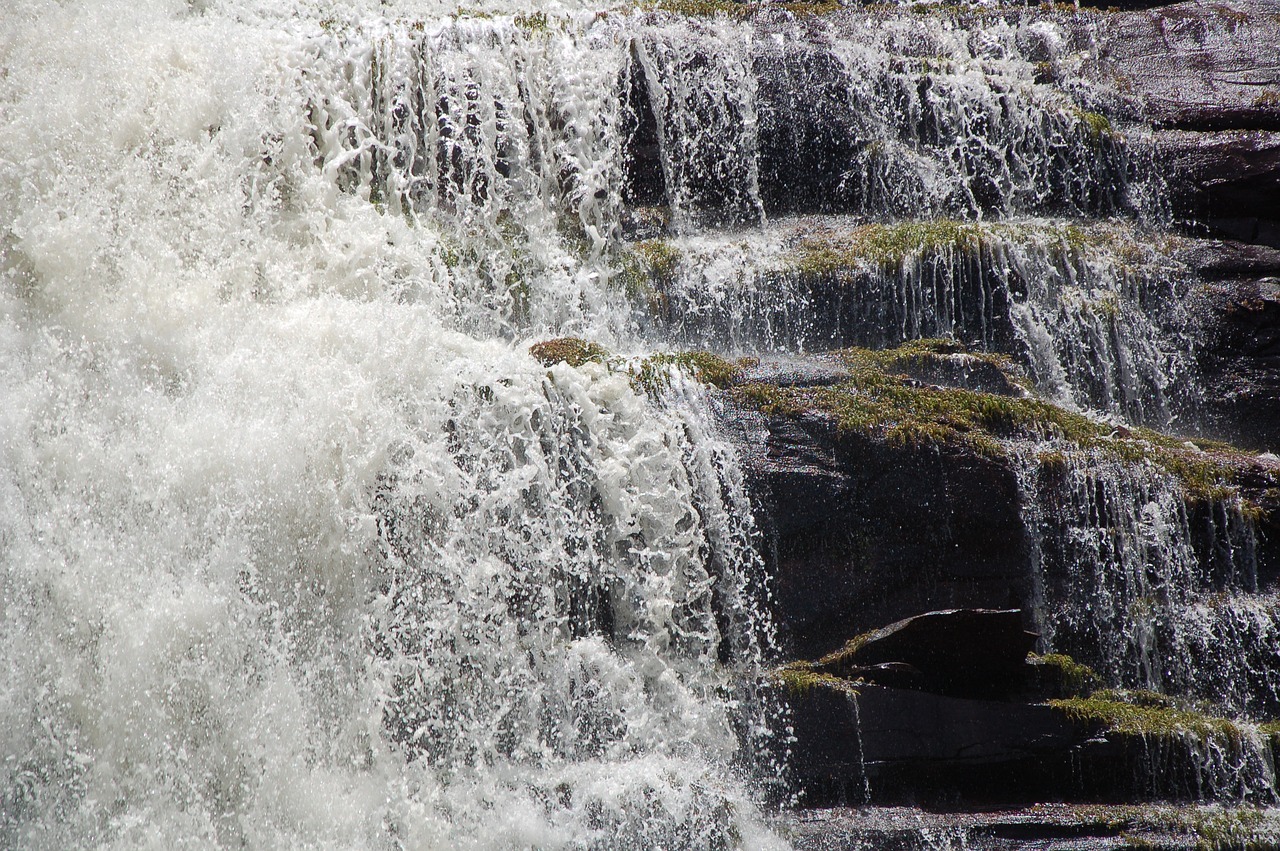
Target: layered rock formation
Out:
[1010,464]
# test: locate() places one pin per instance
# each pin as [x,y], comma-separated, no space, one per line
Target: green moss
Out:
[877,402]
[702,8]
[729,8]
[887,245]
[1163,826]
[571,350]
[890,246]
[817,7]
[1239,828]
[1149,715]
[1096,126]
[800,679]
[1052,462]
[533,22]
[647,270]
[660,259]
[1074,676]
[708,368]
[652,374]
[843,658]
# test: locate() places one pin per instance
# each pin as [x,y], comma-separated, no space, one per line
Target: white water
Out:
[300,547]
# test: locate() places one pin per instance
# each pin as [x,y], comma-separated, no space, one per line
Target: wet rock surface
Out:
[1061,827]
[975,653]
[863,532]
[890,745]
[907,738]
[1243,360]
[1226,182]
[1201,66]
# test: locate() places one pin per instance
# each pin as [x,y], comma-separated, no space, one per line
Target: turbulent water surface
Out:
[300,547]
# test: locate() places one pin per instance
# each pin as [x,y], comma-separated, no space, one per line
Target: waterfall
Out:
[300,546]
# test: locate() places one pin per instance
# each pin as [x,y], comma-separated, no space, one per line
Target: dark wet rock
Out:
[892,745]
[1209,75]
[1241,360]
[957,652]
[1230,259]
[1228,182]
[809,137]
[858,742]
[864,532]
[1061,827]
[1197,65]
[968,372]
[813,371]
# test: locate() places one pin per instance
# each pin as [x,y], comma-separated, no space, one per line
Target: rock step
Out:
[1059,827]
[976,725]
[866,743]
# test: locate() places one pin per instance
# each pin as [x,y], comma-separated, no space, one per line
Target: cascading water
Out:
[1098,321]
[301,548]
[1158,593]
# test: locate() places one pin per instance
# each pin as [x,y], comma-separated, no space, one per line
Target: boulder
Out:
[920,509]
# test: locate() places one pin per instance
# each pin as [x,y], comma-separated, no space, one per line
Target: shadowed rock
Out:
[957,652]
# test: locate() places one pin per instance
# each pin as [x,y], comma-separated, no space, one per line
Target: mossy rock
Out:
[876,400]
[1149,715]
[650,374]
[1058,676]
[571,350]
[830,251]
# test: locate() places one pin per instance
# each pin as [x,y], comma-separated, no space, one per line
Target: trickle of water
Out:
[1156,592]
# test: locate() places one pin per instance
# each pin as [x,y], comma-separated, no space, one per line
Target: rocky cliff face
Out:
[1052,447]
